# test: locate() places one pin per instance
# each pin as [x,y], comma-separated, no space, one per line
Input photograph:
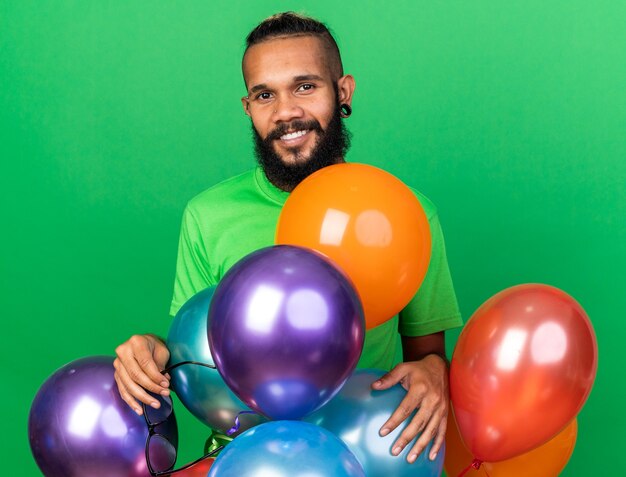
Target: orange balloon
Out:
[370,224]
[522,368]
[547,460]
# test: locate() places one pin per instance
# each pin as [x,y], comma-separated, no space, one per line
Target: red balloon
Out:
[547,460]
[522,369]
[201,469]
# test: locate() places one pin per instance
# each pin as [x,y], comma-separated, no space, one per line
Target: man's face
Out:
[293,102]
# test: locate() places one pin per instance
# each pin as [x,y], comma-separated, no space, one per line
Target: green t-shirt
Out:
[238,216]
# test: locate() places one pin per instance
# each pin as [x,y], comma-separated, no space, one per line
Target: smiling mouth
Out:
[294,135]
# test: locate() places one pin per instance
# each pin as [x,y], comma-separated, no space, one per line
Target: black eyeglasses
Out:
[160,452]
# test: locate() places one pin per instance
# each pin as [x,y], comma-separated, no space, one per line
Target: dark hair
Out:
[288,24]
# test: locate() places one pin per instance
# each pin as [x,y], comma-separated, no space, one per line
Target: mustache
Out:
[296,125]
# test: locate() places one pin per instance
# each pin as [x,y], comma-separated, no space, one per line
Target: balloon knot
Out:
[476,463]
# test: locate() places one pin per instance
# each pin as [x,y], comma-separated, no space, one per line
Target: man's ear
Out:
[245,102]
[345,89]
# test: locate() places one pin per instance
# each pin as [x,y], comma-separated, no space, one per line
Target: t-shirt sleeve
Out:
[434,307]
[192,264]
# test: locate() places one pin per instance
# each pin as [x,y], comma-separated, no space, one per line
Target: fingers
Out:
[431,422]
[390,379]
[427,394]
[416,425]
[132,393]
[126,396]
[137,369]
[436,429]
[402,412]
[160,353]
[144,353]
[439,439]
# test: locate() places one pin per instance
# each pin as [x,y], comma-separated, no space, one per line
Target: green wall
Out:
[510,116]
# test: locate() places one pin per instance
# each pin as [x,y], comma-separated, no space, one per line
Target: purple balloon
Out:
[286,330]
[202,390]
[79,426]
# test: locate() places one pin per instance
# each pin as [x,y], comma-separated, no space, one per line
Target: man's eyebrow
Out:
[296,79]
[307,78]
[258,87]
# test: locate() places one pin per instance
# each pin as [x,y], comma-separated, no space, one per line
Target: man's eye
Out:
[264,96]
[306,87]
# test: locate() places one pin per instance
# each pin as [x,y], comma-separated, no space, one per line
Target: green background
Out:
[510,116]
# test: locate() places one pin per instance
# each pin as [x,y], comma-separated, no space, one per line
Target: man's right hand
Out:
[138,367]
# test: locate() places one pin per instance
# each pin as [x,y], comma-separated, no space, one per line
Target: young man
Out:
[297,98]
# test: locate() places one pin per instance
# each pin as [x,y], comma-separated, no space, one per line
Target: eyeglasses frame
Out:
[152,432]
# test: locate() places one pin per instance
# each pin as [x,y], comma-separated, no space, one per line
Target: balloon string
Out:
[216,442]
[474,465]
[237,425]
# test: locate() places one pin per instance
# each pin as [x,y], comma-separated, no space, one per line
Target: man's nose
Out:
[286,108]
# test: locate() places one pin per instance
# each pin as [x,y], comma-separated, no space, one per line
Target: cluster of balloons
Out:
[339,439]
[522,369]
[286,324]
[285,328]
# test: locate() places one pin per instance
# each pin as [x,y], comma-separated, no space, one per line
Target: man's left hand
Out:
[426,382]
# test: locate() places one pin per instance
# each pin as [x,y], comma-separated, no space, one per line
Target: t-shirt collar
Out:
[269,189]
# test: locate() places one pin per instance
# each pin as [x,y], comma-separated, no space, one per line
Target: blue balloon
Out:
[202,390]
[286,449]
[356,415]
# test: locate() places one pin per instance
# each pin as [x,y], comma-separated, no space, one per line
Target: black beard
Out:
[330,148]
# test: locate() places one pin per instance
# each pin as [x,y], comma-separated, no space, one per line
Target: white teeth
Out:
[293,135]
